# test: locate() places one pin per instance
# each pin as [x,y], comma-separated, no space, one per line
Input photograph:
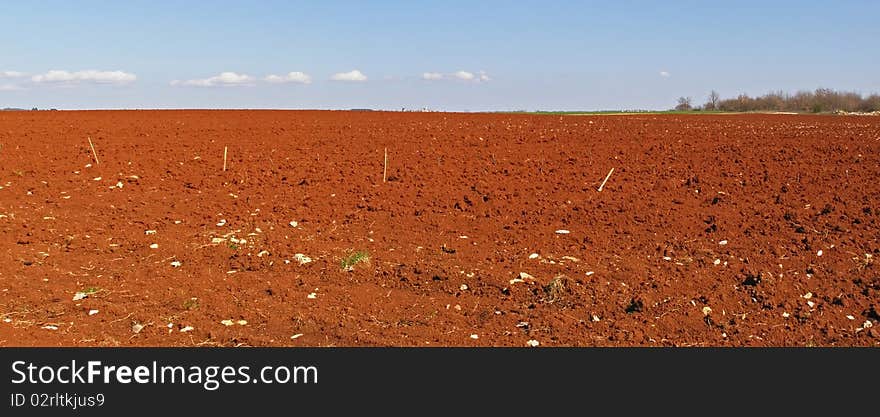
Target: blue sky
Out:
[450,55]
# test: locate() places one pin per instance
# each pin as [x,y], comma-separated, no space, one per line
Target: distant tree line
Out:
[822,100]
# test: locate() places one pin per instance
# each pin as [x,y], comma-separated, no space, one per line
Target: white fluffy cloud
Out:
[353,75]
[463,75]
[290,77]
[665,74]
[224,79]
[88,76]
[12,74]
[458,75]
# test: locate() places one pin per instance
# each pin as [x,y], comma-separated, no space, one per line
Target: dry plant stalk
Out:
[224,158]
[606,179]
[385,169]
[95,154]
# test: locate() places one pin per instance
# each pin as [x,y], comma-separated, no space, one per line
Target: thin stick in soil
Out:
[385,168]
[95,154]
[224,158]
[605,180]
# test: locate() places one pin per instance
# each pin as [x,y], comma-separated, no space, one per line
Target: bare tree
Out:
[684,104]
[712,103]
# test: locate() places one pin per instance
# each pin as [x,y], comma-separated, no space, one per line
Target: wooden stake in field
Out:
[224,158]
[385,169]
[606,179]
[95,154]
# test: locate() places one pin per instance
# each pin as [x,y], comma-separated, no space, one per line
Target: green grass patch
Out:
[349,261]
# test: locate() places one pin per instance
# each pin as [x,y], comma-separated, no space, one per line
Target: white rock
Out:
[97,178]
[227,322]
[562,232]
[850,317]
[217,240]
[707,310]
[7,320]
[296,336]
[463,287]
[785,314]
[533,343]
[717,262]
[50,327]
[596,318]
[811,304]
[723,242]
[93,312]
[221,223]
[525,276]
[475,336]
[666,258]
[242,322]
[175,264]
[154,246]
[136,328]
[79,296]
[534,256]
[149,232]
[819,253]
[312,296]
[294,223]
[187,329]
[262,253]
[867,324]
[590,273]
[302,259]
[119,184]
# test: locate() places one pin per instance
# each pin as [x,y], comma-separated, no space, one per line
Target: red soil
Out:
[468,199]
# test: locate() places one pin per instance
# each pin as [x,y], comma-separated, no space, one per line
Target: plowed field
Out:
[488,229]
